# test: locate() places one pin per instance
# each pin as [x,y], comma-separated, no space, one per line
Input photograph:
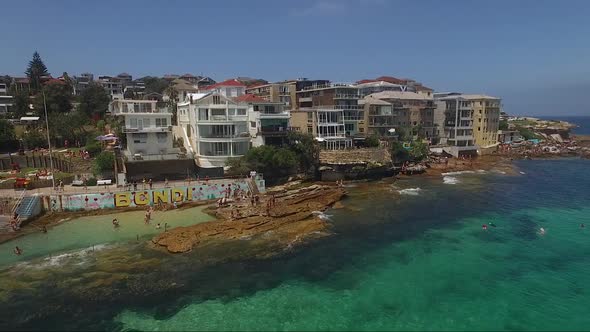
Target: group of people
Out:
[59,186]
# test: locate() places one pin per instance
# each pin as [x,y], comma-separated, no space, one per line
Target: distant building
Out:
[80,83]
[509,136]
[113,85]
[6,100]
[183,89]
[148,130]
[135,89]
[21,84]
[279,92]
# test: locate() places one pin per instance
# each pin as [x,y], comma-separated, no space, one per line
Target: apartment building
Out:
[6,100]
[279,92]
[471,122]
[268,121]
[81,83]
[215,127]
[400,110]
[113,85]
[148,130]
[330,112]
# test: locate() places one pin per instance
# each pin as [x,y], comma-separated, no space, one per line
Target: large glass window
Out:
[139,138]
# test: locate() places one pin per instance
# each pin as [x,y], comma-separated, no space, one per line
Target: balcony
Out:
[276,131]
[347,96]
[150,129]
[280,115]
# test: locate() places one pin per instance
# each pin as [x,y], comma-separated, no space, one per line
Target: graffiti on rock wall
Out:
[197,192]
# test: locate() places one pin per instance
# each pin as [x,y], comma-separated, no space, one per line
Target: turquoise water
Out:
[97,231]
[399,260]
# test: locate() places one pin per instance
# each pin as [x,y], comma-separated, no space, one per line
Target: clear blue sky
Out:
[533,54]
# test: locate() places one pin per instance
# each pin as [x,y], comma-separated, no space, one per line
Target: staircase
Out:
[30,206]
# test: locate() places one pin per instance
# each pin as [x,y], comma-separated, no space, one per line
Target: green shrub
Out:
[372,141]
[104,162]
[34,139]
[91,182]
[93,148]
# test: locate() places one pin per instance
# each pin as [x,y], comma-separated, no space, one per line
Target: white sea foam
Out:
[458,173]
[410,191]
[61,259]
[522,172]
[450,180]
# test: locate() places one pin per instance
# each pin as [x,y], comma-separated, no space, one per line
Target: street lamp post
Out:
[49,143]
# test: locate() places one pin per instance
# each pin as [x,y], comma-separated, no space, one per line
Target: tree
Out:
[372,141]
[307,150]
[398,153]
[154,84]
[265,159]
[503,125]
[419,150]
[35,71]
[68,126]
[172,94]
[104,162]
[94,101]
[57,96]
[6,132]
[21,104]
[34,139]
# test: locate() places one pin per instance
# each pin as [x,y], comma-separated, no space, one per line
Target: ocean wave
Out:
[450,180]
[459,172]
[410,191]
[522,173]
[61,259]
[321,215]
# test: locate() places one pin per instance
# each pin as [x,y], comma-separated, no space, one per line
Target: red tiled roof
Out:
[248,98]
[421,87]
[54,81]
[232,82]
[365,81]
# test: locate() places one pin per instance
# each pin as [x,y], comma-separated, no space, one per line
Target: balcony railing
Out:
[325,86]
[346,96]
[150,129]
[277,131]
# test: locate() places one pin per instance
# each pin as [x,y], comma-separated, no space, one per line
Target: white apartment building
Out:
[215,127]
[148,130]
[6,101]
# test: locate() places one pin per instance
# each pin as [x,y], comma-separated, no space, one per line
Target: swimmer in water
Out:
[158,226]
[484,227]
[115,222]
[541,230]
[582,225]
[492,224]
[17,251]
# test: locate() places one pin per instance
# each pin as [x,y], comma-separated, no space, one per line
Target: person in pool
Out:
[115,222]
[158,226]
[17,251]
[484,227]
[582,225]
[542,231]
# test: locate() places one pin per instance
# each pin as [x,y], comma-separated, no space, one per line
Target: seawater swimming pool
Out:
[85,232]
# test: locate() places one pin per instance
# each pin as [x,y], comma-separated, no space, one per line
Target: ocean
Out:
[405,255]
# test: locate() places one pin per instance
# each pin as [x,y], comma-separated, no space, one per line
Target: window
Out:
[309,116]
[361,130]
[478,128]
[146,122]
[253,124]
[241,111]
[269,109]
[216,100]
[161,122]
[133,123]
[162,138]
[139,138]
[309,130]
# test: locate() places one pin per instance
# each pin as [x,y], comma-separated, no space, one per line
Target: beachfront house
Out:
[268,122]
[215,127]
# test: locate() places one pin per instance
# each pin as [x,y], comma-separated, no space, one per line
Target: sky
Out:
[532,54]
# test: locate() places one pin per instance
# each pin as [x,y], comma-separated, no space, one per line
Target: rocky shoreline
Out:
[294,217]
